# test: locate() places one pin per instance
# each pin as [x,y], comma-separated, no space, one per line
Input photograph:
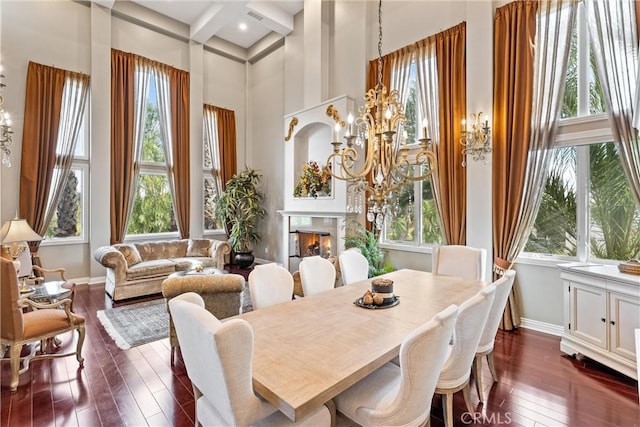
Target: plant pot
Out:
[244,259]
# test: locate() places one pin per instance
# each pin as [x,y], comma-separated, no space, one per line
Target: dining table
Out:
[309,350]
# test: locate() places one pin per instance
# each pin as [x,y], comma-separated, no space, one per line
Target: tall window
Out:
[587,210]
[416,218]
[210,169]
[153,210]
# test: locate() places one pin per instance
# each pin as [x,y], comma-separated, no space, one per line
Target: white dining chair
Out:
[401,396]
[317,275]
[485,346]
[354,267]
[455,374]
[461,261]
[218,357]
[270,284]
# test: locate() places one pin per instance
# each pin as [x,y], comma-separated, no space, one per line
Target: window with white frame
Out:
[211,183]
[416,219]
[587,209]
[152,210]
[69,219]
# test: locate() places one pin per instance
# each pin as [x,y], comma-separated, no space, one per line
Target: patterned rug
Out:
[142,323]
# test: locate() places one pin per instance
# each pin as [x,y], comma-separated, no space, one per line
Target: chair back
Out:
[270,284]
[472,317]
[460,261]
[354,267]
[317,275]
[218,357]
[503,289]
[422,354]
[11,322]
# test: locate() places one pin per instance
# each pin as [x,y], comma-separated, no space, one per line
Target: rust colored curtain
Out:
[227,143]
[43,104]
[122,143]
[451,179]
[514,34]
[179,82]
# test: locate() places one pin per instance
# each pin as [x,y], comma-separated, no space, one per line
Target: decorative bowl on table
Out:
[380,296]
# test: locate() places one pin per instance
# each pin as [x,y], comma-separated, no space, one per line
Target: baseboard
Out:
[536,325]
[262,261]
[97,280]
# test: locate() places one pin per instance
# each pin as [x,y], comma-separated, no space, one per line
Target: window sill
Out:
[553,261]
[63,242]
[405,247]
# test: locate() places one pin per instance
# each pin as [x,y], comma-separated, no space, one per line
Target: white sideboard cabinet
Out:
[601,313]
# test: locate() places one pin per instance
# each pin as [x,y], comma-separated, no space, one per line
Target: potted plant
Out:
[240,208]
[357,236]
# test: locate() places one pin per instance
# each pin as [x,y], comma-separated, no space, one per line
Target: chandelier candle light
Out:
[388,161]
[5,128]
[477,140]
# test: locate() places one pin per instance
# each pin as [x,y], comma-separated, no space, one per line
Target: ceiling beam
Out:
[105,3]
[214,18]
[273,17]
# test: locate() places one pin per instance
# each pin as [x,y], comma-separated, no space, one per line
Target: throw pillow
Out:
[199,247]
[131,254]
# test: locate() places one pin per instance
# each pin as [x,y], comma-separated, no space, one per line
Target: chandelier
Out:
[5,128]
[388,162]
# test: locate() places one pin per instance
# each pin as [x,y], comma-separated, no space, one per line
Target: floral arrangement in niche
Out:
[314,179]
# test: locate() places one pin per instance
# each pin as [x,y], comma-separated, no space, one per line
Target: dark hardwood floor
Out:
[538,385]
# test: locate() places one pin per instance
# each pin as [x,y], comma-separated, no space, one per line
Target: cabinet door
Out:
[589,314]
[623,320]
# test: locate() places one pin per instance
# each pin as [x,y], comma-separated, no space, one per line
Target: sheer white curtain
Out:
[553,38]
[142,74]
[400,78]
[163,94]
[427,79]
[74,100]
[211,147]
[613,32]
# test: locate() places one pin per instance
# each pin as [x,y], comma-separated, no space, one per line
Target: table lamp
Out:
[17,232]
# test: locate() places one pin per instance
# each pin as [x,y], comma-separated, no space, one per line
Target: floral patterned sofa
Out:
[136,269]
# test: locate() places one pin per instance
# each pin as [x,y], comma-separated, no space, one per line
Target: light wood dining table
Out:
[308,350]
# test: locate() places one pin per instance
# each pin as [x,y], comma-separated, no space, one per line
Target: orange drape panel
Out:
[179,81]
[43,104]
[122,153]
[452,86]
[227,143]
[514,34]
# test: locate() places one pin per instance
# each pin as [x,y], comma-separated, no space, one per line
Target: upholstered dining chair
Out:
[456,371]
[354,266]
[317,275]
[485,346]
[401,396]
[270,284]
[218,357]
[461,261]
[44,321]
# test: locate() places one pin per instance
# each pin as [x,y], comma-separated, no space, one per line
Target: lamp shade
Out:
[18,230]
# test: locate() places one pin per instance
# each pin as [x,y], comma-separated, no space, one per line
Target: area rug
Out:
[136,324]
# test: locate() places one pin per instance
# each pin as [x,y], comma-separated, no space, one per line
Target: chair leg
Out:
[447,409]
[466,393]
[81,334]
[15,365]
[477,374]
[492,366]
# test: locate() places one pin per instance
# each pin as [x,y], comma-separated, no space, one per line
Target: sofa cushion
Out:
[162,249]
[199,247]
[130,253]
[156,267]
[191,262]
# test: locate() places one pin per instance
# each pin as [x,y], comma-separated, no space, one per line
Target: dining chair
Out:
[41,323]
[317,275]
[485,346]
[270,284]
[456,371]
[401,395]
[218,357]
[354,266]
[461,261]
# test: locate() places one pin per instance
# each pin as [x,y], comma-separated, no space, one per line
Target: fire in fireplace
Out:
[303,243]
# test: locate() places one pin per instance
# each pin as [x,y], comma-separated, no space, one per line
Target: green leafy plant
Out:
[356,236]
[240,207]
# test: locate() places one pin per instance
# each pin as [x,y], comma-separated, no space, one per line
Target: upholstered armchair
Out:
[44,321]
[221,294]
